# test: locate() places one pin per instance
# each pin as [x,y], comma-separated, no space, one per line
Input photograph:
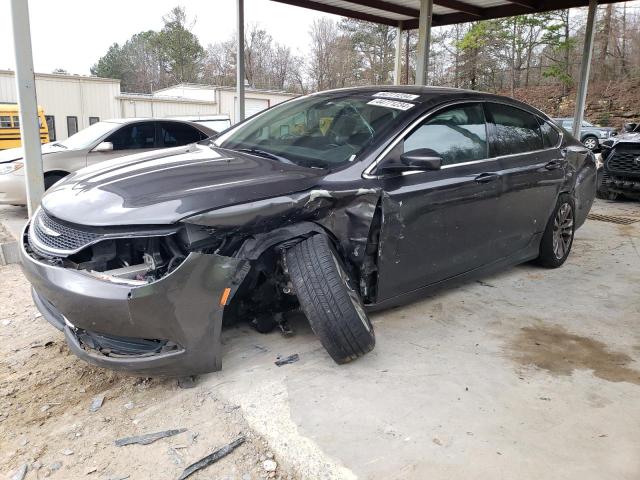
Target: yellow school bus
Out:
[10,126]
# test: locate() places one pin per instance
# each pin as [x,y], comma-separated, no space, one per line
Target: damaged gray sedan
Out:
[335,204]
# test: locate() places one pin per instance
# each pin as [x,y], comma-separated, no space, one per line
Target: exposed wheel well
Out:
[56,173]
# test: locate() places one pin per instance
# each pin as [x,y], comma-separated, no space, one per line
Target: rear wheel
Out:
[329,299]
[558,236]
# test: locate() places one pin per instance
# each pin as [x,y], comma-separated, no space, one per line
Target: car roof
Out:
[198,118]
[124,121]
[432,96]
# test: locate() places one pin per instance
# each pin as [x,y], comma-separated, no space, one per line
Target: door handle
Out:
[554,165]
[487,177]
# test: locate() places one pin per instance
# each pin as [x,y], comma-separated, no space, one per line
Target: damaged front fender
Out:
[346,215]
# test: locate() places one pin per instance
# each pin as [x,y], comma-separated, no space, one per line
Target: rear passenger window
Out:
[458,134]
[516,131]
[178,134]
[550,135]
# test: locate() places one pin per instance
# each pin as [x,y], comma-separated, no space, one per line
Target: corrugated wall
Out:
[69,96]
[145,107]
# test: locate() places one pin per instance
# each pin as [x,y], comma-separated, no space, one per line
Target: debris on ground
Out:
[211,459]
[287,360]
[96,403]
[20,473]
[269,466]
[37,369]
[148,438]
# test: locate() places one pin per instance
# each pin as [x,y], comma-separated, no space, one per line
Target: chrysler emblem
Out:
[48,231]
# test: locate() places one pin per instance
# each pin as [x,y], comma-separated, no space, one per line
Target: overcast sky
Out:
[73,34]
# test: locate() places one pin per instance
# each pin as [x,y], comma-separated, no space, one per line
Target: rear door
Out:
[132,138]
[441,223]
[532,166]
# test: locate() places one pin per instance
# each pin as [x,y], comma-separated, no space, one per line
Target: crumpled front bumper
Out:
[184,308]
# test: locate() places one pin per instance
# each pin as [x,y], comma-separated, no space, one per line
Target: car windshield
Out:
[86,137]
[315,131]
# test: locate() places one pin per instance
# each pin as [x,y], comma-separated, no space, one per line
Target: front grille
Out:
[624,162]
[48,235]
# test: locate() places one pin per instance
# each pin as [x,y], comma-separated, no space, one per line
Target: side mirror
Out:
[104,147]
[630,127]
[422,159]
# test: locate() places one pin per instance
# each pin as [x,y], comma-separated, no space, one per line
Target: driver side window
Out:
[458,134]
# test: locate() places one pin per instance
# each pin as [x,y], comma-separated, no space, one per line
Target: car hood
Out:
[13,154]
[631,137]
[165,186]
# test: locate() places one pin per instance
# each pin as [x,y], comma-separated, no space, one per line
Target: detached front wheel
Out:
[329,299]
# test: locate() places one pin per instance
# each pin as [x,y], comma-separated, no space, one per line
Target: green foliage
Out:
[180,51]
[151,60]
[558,72]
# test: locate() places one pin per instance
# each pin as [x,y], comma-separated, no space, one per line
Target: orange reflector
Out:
[225,296]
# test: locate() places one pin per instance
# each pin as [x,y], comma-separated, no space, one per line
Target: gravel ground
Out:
[46,422]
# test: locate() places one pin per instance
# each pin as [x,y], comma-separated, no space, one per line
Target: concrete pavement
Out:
[527,374]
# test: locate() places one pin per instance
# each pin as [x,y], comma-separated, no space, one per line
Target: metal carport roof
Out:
[406,13]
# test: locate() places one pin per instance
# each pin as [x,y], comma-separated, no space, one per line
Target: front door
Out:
[439,224]
[132,138]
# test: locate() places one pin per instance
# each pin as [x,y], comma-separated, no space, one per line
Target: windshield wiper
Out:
[58,144]
[265,154]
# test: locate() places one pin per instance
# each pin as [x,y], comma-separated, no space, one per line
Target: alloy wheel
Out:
[562,230]
[591,143]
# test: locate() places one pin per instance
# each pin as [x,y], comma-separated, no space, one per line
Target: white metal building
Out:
[73,102]
[225,97]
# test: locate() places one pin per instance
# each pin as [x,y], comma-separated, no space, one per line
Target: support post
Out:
[424,41]
[397,75]
[240,62]
[587,53]
[26,87]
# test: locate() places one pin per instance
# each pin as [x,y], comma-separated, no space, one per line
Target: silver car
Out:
[101,141]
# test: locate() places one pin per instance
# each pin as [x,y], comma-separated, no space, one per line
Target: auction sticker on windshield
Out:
[382,102]
[397,95]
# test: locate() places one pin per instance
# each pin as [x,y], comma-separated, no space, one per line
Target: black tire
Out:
[329,300]
[50,179]
[591,140]
[558,235]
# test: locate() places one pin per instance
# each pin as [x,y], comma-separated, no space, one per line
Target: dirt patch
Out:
[46,421]
[559,352]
